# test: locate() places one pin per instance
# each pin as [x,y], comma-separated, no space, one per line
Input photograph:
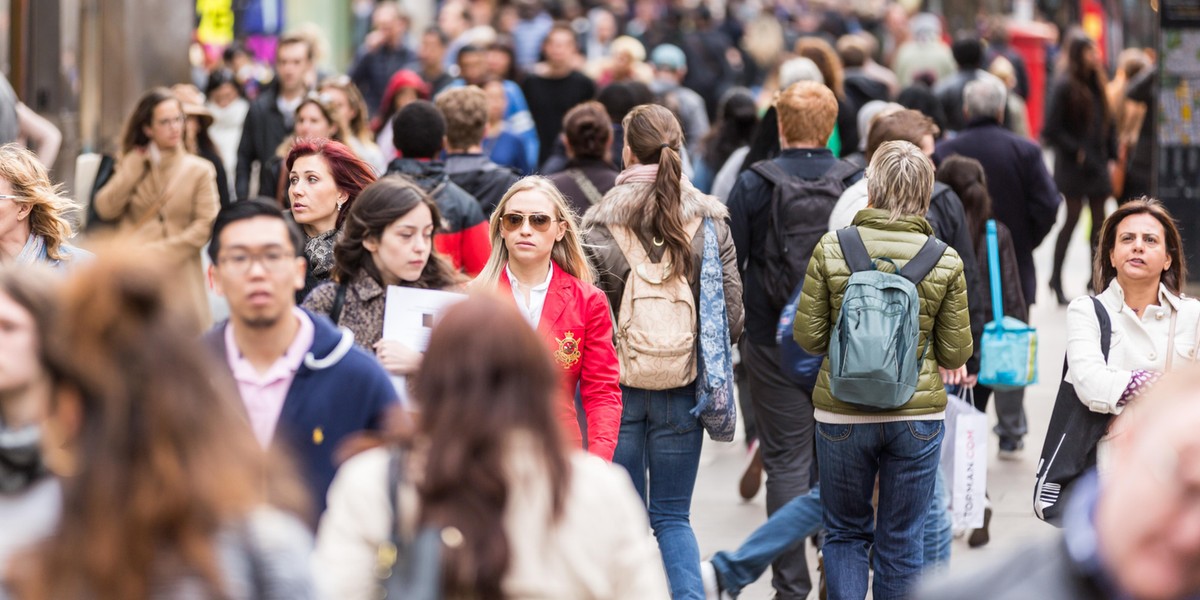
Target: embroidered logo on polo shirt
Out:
[568,351]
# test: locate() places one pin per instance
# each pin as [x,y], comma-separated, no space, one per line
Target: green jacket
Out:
[943,296]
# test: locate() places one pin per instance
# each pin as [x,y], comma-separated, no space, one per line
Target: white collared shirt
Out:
[537,295]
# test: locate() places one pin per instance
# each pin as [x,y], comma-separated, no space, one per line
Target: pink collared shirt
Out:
[263,394]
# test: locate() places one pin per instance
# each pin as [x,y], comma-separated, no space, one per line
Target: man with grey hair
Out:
[1024,198]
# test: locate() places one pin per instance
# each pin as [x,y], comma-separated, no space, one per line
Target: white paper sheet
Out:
[409,316]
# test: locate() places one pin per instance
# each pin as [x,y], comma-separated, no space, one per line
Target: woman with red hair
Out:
[324,177]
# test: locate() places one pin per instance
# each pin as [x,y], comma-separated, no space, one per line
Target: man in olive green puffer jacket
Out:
[901,446]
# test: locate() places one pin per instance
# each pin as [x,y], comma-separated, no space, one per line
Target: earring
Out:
[339,206]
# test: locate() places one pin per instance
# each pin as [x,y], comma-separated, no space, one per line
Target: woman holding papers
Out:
[538,259]
[387,240]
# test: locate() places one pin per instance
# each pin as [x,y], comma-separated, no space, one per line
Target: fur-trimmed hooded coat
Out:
[626,205]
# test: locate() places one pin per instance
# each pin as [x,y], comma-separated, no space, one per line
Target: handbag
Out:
[964,459]
[1071,438]
[797,365]
[1008,349]
[714,362]
[408,566]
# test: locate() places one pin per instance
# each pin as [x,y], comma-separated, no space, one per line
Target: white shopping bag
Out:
[964,461]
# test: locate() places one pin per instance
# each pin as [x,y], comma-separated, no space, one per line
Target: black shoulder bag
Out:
[1071,439]
[408,567]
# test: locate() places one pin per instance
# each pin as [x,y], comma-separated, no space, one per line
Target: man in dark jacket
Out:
[1130,533]
[419,129]
[306,387]
[1023,193]
[968,53]
[271,116]
[466,112]
[390,54]
[554,86]
[783,409]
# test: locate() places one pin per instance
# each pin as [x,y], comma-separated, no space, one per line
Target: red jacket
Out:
[577,325]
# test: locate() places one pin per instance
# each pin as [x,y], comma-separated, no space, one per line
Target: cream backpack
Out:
[656,326]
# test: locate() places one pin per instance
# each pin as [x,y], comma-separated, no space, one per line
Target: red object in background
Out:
[1029,40]
[1095,25]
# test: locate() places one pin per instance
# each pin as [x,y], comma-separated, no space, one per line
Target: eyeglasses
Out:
[238,263]
[7,197]
[514,221]
[172,121]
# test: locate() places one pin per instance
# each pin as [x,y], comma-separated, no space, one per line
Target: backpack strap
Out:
[586,186]
[843,171]
[854,250]
[635,253]
[770,171]
[926,259]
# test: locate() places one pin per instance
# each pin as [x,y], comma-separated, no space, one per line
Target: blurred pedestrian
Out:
[350,113]
[589,174]
[164,197]
[385,52]
[538,260]
[473,70]
[430,58]
[501,146]
[324,178]
[227,102]
[466,113]
[421,134]
[33,216]
[827,60]
[163,489]
[387,240]
[272,115]
[1079,129]
[516,511]
[655,216]
[1129,535]
[30,497]
[555,86]
[727,143]
[196,138]
[316,119]
[404,88]
[303,384]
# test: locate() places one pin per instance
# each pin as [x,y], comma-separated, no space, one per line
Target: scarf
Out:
[20,458]
[34,251]
[647,174]
[319,251]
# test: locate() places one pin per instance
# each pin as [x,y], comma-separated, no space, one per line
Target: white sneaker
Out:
[712,589]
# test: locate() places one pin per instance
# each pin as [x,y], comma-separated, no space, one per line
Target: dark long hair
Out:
[966,177]
[133,135]
[472,411]
[653,135]
[349,172]
[377,207]
[1084,83]
[737,116]
[163,459]
[1103,271]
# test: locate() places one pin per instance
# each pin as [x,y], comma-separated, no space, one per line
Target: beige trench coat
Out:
[184,188]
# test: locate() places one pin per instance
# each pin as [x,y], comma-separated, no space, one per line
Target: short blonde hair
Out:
[900,180]
[807,112]
[466,112]
[31,183]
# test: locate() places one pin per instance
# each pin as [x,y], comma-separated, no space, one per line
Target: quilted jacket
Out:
[943,296]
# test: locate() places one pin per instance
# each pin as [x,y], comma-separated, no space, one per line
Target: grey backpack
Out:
[874,359]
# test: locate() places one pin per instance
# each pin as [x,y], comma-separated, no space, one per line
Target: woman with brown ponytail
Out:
[652,227]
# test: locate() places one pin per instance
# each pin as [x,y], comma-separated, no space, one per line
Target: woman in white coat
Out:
[1140,266]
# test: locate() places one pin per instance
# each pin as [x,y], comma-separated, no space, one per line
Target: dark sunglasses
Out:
[514,221]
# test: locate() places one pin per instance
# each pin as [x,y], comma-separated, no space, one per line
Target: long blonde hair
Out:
[29,180]
[567,253]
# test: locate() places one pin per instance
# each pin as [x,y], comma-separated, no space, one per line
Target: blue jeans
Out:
[786,529]
[939,529]
[659,435]
[905,457]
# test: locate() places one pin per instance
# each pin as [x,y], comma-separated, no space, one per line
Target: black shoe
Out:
[1056,287]
[980,537]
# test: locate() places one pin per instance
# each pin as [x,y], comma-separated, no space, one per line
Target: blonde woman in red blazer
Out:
[538,262]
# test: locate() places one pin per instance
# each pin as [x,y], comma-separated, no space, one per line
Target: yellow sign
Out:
[216,22]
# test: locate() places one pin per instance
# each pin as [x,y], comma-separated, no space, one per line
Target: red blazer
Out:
[577,325]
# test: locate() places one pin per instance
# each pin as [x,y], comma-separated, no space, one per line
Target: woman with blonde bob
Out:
[33,228]
[538,260]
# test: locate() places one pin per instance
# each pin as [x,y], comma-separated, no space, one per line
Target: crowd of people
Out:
[626,199]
